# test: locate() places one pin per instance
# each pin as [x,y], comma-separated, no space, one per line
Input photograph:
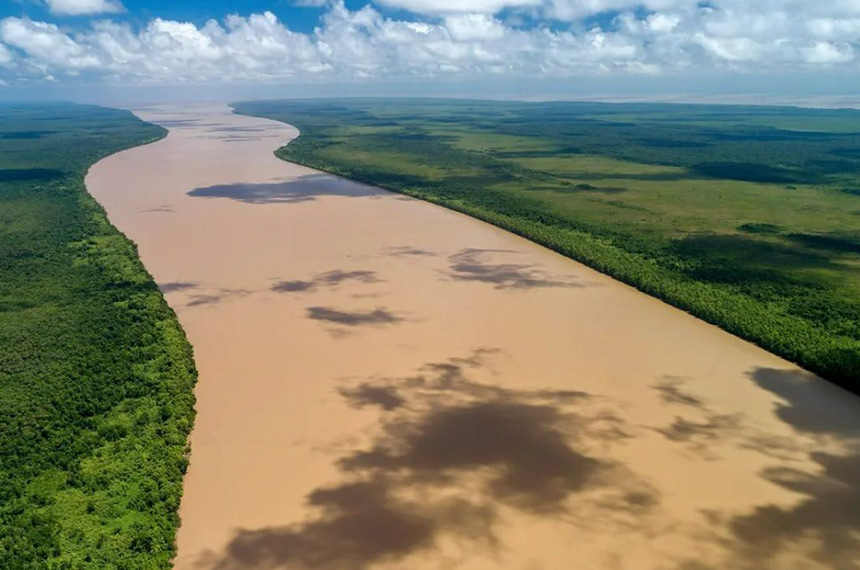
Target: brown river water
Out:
[388,384]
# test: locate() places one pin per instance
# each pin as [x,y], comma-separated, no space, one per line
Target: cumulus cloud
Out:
[464,38]
[6,57]
[45,45]
[83,7]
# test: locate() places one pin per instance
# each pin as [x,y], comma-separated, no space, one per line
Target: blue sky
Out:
[490,47]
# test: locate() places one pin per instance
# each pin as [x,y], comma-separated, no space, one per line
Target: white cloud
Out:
[46,45]
[469,27]
[7,58]
[466,40]
[457,6]
[84,7]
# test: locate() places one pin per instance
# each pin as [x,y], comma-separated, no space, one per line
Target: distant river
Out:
[388,384]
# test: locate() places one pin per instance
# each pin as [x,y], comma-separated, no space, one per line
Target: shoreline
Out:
[330,319]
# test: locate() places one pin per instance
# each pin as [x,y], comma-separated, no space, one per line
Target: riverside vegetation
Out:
[96,375]
[747,217]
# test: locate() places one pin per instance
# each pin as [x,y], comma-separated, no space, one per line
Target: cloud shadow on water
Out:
[825,524]
[409,251]
[449,454]
[329,279]
[162,209]
[811,405]
[218,296]
[303,189]
[822,528]
[174,286]
[378,316]
[473,264]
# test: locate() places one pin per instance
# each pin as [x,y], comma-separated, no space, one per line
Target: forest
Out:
[96,375]
[747,217]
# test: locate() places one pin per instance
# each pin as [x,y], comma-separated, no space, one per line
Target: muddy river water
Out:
[388,384]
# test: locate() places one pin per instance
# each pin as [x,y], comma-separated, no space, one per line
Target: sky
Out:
[528,49]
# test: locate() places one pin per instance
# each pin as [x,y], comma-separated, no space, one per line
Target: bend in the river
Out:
[385,383]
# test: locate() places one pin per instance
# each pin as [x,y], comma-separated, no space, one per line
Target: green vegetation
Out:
[748,217]
[96,375]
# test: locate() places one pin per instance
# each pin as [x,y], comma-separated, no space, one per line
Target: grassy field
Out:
[747,217]
[96,375]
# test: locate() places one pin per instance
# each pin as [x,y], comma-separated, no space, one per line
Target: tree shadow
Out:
[303,189]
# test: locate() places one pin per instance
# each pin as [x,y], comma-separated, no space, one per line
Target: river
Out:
[385,383]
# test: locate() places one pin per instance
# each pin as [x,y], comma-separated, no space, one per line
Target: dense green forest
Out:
[96,375]
[747,217]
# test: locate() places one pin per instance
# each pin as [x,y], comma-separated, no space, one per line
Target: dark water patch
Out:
[410,251]
[179,122]
[824,524]
[702,429]
[293,286]
[712,428]
[671,392]
[378,316]
[163,209]
[366,394]
[533,465]
[198,300]
[303,189]
[811,405]
[174,286]
[217,297]
[447,452]
[830,511]
[338,276]
[472,264]
[829,515]
[330,279]
[28,174]
[362,524]
[226,129]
